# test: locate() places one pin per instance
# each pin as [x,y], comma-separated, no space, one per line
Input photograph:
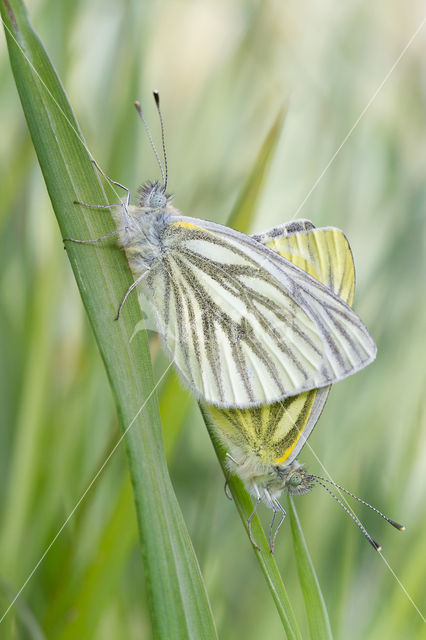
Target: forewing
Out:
[244,326]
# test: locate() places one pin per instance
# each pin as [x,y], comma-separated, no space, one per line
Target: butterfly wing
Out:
[323,253]
[271,434]
[276,433]
[244,326]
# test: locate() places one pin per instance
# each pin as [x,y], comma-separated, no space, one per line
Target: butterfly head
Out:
[152,195]
[296,480]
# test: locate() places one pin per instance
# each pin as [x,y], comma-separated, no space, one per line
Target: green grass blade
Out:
[319,624]
[178,601]
[245,208]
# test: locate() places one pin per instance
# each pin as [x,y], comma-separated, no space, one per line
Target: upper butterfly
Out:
[244,326]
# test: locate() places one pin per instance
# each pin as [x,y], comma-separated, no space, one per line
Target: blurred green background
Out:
[223,69]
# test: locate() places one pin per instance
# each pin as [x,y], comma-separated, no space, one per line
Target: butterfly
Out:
[264,442]
[243,325]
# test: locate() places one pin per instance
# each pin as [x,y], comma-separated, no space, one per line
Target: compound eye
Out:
[158,200]
[295,479]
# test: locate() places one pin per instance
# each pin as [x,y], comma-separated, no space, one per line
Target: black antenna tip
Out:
[156,97]
[375,544]
[398,526]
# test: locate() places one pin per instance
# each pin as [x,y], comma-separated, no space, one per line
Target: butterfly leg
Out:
[258,500]
[129,290]
[102,206]
[111,181]
[99,206]
[107,235]
[226,487]
[124,204]
[229,457]
[271,527]
[276,507]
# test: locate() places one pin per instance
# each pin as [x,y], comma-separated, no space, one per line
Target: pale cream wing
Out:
[243,325]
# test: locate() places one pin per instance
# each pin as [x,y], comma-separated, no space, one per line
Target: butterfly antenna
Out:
[398,526]
[160,115]
[373,543]
[151,141]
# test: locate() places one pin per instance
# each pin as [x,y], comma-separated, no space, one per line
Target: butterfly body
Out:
[266,483]
[142,227]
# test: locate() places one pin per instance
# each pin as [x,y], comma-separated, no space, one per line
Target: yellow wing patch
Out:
[270,432]
[188,225]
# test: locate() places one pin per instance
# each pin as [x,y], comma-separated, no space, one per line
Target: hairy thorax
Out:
[142,227]
[142,234]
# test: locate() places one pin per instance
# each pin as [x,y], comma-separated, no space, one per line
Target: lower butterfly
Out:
[264,442]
